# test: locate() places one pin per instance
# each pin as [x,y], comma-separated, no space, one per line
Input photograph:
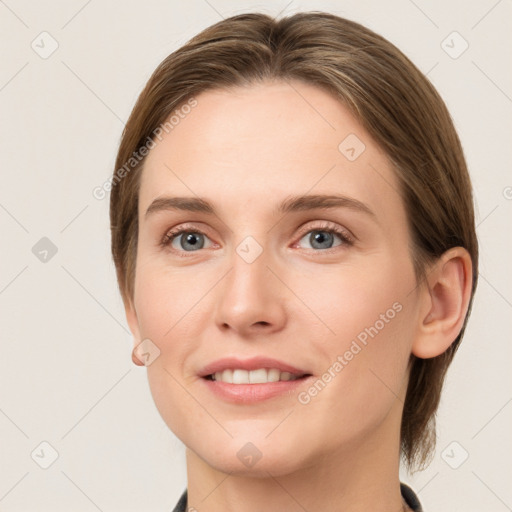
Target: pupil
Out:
[192,241]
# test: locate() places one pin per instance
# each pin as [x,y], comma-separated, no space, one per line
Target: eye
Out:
[323,238]
[186,240]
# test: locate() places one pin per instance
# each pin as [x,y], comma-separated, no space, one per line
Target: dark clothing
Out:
[410,497]
[407,493]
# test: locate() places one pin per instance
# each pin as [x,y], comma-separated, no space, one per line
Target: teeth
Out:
[225,376]
[273,375]
[259,376]
[239,376]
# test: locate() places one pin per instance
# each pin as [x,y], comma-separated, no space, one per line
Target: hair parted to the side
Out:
[389,96]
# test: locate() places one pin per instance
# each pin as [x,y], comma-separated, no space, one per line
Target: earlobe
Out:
[445,300]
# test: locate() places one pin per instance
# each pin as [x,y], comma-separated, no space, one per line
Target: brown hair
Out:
[389,96]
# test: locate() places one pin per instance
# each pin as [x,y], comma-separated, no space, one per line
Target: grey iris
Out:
[192,241]
[321,239]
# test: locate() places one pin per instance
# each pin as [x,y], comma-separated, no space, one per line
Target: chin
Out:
[267,465]
[257,459]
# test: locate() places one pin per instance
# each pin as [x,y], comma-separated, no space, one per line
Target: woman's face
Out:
[270,270]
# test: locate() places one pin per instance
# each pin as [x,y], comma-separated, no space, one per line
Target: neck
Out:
[357,479]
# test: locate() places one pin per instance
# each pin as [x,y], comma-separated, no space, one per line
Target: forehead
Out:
[249,144]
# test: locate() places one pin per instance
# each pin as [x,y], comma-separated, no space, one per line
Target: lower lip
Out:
[253,393]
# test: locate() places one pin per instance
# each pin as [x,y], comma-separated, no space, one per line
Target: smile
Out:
[246,381]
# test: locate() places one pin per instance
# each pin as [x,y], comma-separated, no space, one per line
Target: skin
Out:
[245,150]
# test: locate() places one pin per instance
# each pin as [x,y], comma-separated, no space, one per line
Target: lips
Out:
[251,381]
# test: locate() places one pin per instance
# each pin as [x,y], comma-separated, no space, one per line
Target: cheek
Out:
[370,318]
[173,311]
[167,302]
[168,310]
[351,300]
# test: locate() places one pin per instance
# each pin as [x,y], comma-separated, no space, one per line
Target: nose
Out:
[251,300]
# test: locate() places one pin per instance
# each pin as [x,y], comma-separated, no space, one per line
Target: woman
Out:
[293,234]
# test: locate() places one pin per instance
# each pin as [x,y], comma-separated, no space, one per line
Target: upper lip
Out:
[253,363]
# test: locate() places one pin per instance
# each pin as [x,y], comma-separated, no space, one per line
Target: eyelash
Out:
[346,239]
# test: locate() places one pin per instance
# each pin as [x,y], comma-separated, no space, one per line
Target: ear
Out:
[444,302]
[133,323]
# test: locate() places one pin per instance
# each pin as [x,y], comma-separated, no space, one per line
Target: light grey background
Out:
[66,376]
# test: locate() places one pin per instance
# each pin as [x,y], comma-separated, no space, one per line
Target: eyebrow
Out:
[290,204]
